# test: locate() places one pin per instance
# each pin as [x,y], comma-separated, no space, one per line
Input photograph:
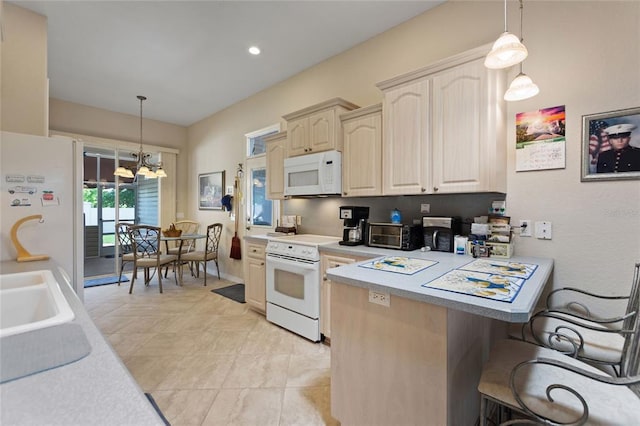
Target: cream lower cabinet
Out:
[256,270]
[362,155]
[276,152]
[444,128]
[328,261]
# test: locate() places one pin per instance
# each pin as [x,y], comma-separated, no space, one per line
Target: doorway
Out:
[107,200]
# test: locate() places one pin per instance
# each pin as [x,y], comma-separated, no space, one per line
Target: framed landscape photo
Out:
[211,190]
[611,145]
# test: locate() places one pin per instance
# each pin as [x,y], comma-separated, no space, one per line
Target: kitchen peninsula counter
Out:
[419,359]
[410,286]
[95,390]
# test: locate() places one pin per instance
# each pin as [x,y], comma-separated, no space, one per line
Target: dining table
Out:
[181,239]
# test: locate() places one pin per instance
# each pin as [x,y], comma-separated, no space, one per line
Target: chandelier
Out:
[144,166]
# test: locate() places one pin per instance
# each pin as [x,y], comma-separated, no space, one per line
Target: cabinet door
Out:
[256,284]
[406,141]
[298,137]
[466,118]
[362,159]
[322,131]
[329,261]
[276,153]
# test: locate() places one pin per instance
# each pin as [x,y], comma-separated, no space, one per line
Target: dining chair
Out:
[210,251]
[187,227]
[572,325]
[559,380]
[523,383]
[148,254]
[178,247]
[125,246]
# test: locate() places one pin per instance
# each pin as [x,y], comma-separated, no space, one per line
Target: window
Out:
[255,140]
[261,212]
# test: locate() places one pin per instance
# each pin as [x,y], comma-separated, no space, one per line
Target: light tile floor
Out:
[208,360]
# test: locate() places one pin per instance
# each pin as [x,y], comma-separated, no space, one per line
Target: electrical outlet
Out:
[380,298]
[298,220]
[525,228]
[425,208]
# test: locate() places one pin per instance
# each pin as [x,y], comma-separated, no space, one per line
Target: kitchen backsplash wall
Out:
[321,215]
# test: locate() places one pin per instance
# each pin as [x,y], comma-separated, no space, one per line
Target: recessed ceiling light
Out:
[254,50]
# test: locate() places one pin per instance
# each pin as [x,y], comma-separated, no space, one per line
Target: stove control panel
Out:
[297,251]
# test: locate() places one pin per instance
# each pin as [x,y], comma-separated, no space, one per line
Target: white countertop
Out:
[95,390]
[410,286]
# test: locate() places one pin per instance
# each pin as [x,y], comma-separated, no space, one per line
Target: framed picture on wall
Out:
[211,190]
[611,145]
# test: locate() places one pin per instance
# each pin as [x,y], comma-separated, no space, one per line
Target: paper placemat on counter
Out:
[399,264]
[501,267]
[494,287]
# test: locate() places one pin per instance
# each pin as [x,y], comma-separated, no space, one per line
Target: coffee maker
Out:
[355,225]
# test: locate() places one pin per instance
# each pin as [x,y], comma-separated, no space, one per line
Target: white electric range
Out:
[293,282]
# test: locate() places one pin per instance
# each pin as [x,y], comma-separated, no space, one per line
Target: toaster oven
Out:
[395,236]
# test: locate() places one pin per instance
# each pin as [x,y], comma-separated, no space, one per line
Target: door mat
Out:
[104,281]
[234,292]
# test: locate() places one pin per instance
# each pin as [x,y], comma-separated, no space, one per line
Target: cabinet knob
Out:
[423,189]
[306,150]
[344,193]
[435,189]
[261,263]
[254,250]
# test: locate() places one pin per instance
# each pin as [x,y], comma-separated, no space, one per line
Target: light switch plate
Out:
[543,230]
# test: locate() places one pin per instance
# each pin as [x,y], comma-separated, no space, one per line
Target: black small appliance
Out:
[355,225]
[439,232]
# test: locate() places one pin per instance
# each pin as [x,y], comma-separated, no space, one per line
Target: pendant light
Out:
[507,50]
[522,87]
[144,166]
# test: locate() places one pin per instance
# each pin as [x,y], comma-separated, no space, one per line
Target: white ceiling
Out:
[190,57]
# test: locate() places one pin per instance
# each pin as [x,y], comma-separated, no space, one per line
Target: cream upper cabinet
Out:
[405,167]
[256,277]
[316,128]
[444,128]
[276,151]
[468,129]
[362,155]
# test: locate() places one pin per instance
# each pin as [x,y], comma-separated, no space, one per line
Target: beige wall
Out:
[25,89]
[596,225]
[79,119]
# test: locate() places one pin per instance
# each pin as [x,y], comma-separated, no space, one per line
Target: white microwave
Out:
[313,174]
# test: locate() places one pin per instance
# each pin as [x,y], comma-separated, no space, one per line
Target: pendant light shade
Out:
[522,87]
[508,49]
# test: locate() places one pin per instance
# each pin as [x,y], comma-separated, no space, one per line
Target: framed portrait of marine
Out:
[611,145]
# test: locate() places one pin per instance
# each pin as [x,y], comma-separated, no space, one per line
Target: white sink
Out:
[31,300]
